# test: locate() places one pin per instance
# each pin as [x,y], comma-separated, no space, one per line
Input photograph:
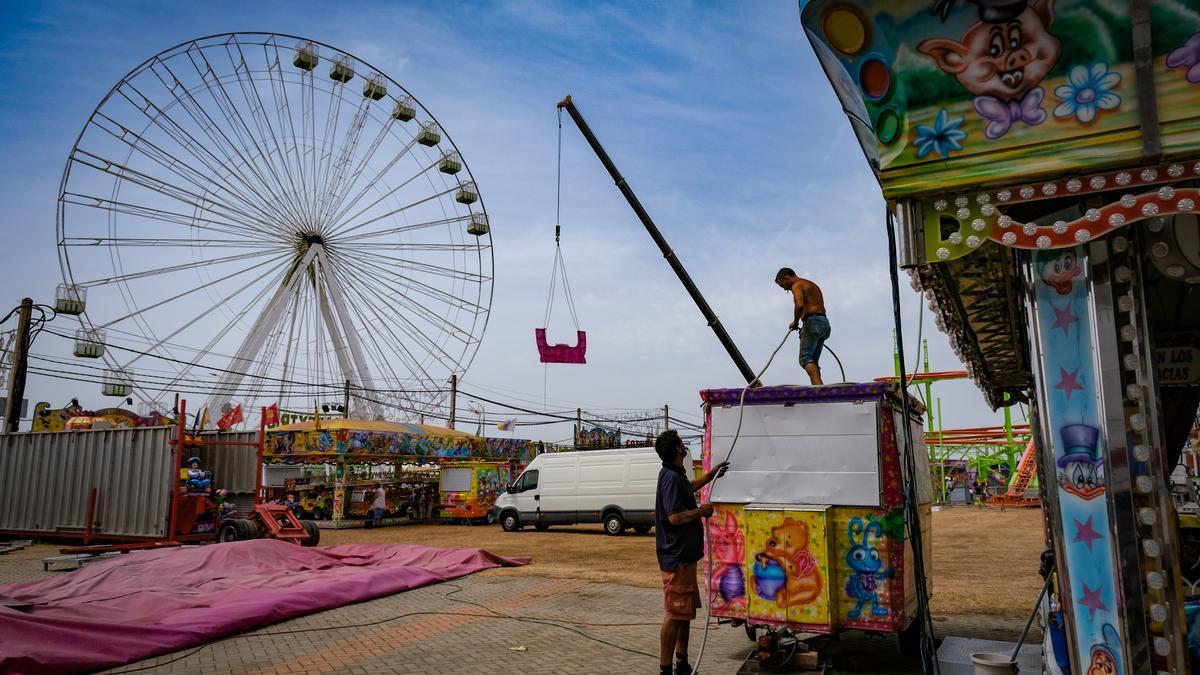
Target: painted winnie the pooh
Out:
[788,546]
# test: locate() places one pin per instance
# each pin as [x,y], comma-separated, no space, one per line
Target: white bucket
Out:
[993,664]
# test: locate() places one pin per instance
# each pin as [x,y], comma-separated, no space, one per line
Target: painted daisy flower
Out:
[943,137]
[1087,91]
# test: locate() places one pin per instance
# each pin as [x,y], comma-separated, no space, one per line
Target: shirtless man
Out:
[810,309]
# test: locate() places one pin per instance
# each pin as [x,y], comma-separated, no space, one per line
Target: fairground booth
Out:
[1039,159]
[330,467]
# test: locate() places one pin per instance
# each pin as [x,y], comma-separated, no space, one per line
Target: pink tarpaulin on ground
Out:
[153,602]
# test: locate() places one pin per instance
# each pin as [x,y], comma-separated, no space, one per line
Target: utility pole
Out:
[578,422]
[16,379]
[666,417]
[453,399]
[346,401]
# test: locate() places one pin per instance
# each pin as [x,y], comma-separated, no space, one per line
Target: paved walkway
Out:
[489,623]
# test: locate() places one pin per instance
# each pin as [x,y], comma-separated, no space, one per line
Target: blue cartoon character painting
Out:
[1002,60]
[1080,468]
[866,567]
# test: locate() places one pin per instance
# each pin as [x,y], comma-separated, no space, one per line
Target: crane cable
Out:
[559,267]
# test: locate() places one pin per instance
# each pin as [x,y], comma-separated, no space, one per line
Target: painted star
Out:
[1063,318]
[1068,382]
[1091,600]
[1086,533]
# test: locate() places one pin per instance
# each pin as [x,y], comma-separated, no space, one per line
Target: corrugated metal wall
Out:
[232,466]
[45,479]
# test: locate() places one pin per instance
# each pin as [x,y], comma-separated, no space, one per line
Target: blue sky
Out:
[717,114]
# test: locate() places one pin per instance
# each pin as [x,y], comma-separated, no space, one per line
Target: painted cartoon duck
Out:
[1103,662]
[1081,469]
[1001,59]
[1059,269]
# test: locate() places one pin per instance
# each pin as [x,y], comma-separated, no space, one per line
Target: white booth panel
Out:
[921,453]
[808,453]
[456,479]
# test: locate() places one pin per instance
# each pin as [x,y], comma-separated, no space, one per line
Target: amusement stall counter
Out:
[1041,165]
[808,530]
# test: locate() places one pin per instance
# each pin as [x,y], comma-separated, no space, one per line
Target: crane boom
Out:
[714,322]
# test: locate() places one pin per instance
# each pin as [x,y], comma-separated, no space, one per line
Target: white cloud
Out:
[721,120]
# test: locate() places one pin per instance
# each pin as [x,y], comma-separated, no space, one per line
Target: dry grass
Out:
[577,552]
[984,561]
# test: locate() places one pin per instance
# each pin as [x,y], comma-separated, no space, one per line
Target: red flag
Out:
[272,415]
[230,418]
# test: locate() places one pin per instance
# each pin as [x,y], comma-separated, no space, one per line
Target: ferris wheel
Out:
[261,218]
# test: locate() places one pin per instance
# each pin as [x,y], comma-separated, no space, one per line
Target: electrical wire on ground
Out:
[543,621]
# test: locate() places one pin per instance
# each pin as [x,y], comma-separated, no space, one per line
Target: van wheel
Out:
[614,524]
[642,529]
[510,521]
[542,527]
[318,513]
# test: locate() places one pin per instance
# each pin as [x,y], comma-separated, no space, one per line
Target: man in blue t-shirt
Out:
[679,541]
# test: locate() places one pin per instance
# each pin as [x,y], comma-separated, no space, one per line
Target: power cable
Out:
[552,622]
[929,662]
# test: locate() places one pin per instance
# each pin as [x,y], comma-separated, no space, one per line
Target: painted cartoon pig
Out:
[1002,59]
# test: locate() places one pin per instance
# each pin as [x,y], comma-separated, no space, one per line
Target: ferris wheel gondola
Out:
[272,219]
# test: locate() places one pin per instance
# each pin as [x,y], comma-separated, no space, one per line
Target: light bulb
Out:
[1141,453]
[1158,612]
[1144,484]
[1120,244]
[1148,516]
[1150,548]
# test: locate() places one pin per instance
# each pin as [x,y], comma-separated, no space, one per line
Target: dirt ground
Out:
[984,561]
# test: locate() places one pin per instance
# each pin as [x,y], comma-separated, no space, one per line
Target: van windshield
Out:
[527,481]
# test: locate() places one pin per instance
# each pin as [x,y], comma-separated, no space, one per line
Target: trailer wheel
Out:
[642,529]
[910,640]
[314,533]
[510,521]
[614,524]
[247,529]
[229,532]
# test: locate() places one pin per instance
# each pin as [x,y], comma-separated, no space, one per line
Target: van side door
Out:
[601,484]
[558,488]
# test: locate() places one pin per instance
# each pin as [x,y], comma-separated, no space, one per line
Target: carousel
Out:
[329,467]
[1040,160]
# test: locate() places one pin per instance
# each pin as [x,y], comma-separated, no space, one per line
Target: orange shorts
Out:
[681,593]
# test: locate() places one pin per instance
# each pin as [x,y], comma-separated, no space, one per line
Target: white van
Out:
[614,487]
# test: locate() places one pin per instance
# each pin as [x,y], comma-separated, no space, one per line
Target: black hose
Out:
[839,361]
[911,511]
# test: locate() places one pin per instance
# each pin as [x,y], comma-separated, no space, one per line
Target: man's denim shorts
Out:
[813,334]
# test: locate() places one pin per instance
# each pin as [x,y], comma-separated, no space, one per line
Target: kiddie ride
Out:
[274,521]
[808,531]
